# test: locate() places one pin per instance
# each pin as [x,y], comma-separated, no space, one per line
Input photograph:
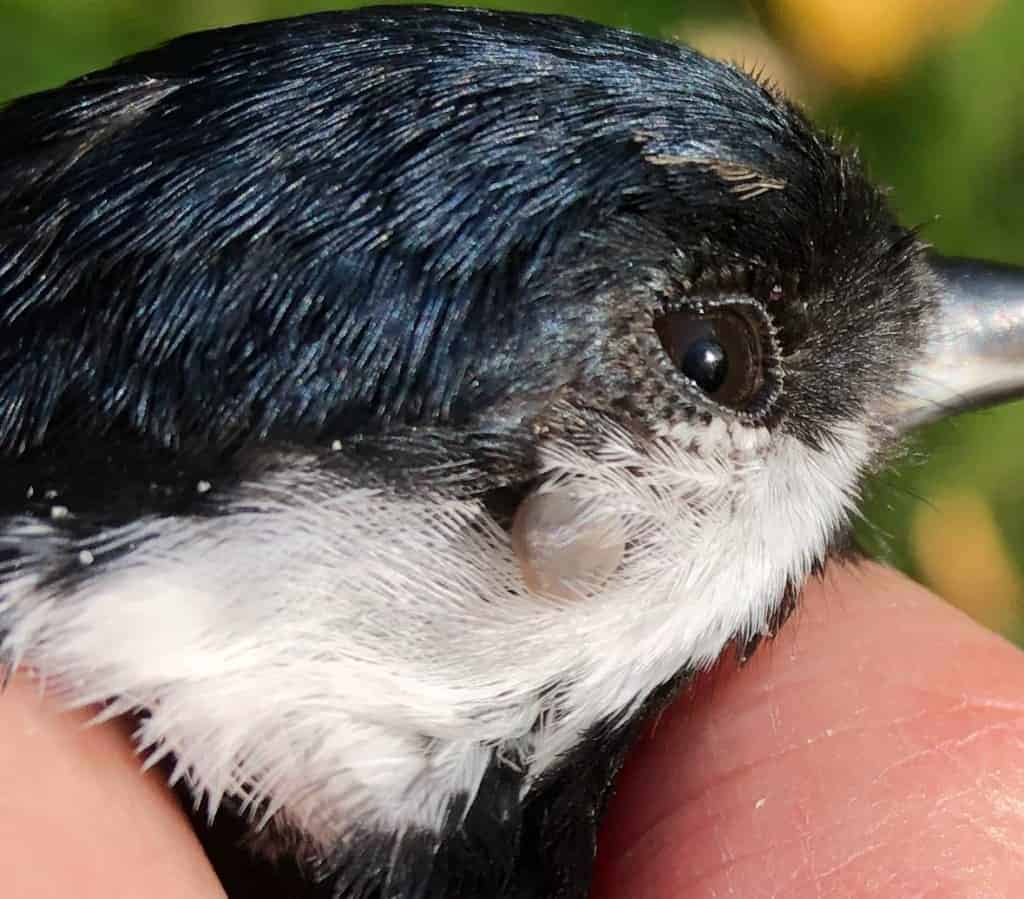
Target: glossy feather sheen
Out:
[292,316]
[353,221]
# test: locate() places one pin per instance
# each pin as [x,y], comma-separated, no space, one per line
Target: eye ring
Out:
[726,350]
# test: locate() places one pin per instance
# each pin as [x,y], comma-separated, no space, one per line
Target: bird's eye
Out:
[720,350]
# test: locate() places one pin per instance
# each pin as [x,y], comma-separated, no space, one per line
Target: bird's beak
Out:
[974,356]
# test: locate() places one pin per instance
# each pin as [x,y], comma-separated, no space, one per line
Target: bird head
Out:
[397,405]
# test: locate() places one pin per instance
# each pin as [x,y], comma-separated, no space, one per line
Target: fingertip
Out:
[79,817]
[860,744]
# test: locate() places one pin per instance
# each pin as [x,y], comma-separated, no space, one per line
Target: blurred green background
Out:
[932,92]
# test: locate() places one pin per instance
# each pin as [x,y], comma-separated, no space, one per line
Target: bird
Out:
[399,406]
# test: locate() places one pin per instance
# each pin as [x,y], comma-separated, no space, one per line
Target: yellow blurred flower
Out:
[862,41]
[962,555]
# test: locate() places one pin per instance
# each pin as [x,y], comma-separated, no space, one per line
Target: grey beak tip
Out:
[974,354]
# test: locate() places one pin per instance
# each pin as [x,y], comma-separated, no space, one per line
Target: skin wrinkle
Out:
[809,867]
[725,813]
[941,748]
[1003,834]
[996,834]
[713,783]
[728,862]
[995,799]
[805,840]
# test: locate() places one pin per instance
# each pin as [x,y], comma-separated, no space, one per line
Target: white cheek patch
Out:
[344,658]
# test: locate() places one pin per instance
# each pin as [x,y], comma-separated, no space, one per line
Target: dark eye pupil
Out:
[718,350]
[706,364]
